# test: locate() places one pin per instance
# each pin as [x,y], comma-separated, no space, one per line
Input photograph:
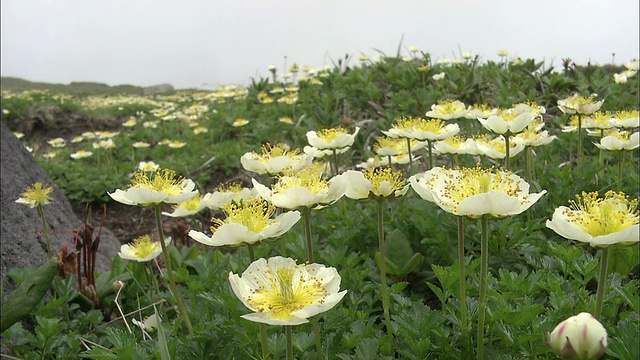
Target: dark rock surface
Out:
[20,241]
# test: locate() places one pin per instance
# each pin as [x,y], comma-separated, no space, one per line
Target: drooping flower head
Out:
[35,196]
[377,182]
[577,104]
[422,129]
[579,337]
[306,188]
[281,292]
[599,221]
[153,188]
[274,159]
[142,249]
[475,192]
[248,221]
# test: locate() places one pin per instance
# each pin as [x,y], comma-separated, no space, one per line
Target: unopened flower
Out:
[142,249]
[599,221]
[281,292]
[248,221]
[153,188]
[578,337]
[475,192]
[35,196]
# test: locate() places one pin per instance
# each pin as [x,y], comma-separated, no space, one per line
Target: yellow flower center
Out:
[626,114]
[398,144]
[143,246]
[191,204]
[329,135]
[378,175]
[254,213]
[460,184]
[38,195]
[446,107]
[601,216]
[507,115]
[311,178]
[601,118]
[163,180]
[418,124]
[270,151]
[455,141]
[286,291]
[229,187]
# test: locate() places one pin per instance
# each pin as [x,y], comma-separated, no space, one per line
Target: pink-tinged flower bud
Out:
[579,337]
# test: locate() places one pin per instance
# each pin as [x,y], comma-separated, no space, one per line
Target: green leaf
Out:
[28,294]
[162,340]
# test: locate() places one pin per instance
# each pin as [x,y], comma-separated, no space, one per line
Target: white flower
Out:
[439,76]
[281,292]
[275,159]
[474,192]
[142,249]
[619,140]
[377,182]
[248,221]
[153,188]
[577,104]
[600,222]
[335,138]
[507,121]
[306,188]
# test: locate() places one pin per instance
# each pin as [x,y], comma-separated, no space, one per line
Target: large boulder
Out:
[22,244]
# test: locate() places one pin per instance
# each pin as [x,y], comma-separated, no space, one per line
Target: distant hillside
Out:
[74,88]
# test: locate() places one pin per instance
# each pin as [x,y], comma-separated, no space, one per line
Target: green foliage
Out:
[537,278]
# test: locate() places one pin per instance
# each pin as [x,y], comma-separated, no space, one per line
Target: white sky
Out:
[220,42]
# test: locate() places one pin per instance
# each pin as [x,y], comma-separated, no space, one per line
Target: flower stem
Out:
[580,150]
[335,163]
[383,268]
[507,161]
[484,259]
[463,290]
[46,230]
[528,160]
[288,331]
[262,326]
[316,332]
[410,157]
[306,217]
[602,279]
[172,281]
[621,155]
[430,155]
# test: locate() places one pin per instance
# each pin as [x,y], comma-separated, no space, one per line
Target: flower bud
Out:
[579,337]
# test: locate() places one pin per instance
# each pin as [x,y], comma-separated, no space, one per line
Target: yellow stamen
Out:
[602,216]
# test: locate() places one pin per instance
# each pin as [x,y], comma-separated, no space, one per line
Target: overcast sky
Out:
[221,42]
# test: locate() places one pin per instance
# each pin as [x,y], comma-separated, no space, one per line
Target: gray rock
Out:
[20,241]
[157,89]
